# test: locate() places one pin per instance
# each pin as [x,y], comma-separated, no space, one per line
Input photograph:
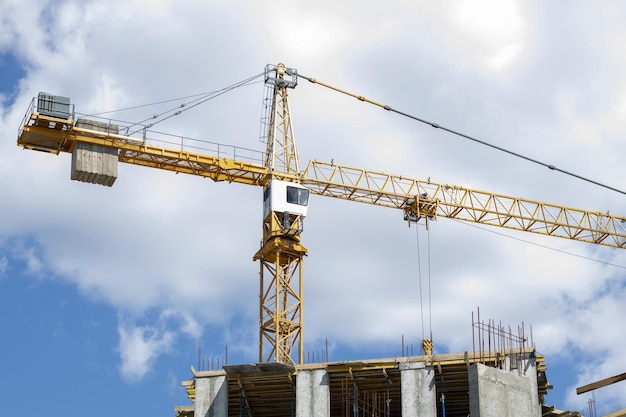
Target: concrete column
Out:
[497,393]
[211,396]
[530,370]
[312,393]
[419,395]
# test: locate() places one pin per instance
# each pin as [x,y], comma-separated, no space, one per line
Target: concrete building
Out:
[477,384]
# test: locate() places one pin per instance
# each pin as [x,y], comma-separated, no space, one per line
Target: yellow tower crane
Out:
[50,125]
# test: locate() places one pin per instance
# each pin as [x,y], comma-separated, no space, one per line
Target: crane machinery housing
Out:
[51,125]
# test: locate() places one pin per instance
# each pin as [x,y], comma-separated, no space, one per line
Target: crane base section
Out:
[92,163]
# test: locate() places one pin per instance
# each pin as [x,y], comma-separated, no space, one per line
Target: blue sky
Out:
[11,71]
[65,344]
[107,293]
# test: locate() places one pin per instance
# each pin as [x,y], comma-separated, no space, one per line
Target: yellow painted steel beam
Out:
[213,167]
[462,203]
[53,135]
[280,310]
[281,154]
[58,135]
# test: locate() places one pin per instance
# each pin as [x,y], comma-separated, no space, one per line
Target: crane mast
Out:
[281,153]
[50,126]
[284,209]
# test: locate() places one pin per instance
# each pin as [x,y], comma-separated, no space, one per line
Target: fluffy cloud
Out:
[139,347]
[4,264]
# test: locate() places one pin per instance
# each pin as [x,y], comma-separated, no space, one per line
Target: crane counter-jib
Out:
[183,155]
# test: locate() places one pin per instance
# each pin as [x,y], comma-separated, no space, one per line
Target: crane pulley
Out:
[50,125]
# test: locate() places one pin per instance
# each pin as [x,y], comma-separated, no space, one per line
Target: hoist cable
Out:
[430,310]
[454,132]
[419,276]
[421,293]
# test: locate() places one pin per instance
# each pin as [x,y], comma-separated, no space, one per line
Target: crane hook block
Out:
[422,206]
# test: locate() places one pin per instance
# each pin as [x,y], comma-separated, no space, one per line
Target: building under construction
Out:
[502,376]
[499,383]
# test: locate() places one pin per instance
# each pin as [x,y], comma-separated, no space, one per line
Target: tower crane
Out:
[51,125]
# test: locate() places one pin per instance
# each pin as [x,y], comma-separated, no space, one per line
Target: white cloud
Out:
[139,348]
[30,255]
[143,339]
[4,266]
[185,321]
[494,30]
[322,33]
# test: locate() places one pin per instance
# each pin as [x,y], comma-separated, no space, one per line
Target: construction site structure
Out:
[505,384]
[502,376]
[281,383]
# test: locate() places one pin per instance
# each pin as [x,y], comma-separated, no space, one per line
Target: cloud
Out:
[493,30]
[145,337]
[186,322]
[29,254]
[4,265]
[139,347]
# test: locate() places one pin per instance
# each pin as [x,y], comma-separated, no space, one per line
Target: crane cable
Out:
[427,344]
[539,245]
[203,100]
[179,109]
[482,142]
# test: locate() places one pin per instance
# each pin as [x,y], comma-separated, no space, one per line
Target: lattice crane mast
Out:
[50,125]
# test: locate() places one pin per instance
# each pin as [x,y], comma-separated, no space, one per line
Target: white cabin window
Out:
[298,196]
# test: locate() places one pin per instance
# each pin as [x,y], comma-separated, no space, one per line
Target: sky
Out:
[108,295]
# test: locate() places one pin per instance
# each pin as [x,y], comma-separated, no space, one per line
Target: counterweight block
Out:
[92,163]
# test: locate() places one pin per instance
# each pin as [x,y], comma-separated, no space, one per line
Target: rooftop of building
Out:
[373,385]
